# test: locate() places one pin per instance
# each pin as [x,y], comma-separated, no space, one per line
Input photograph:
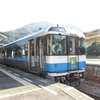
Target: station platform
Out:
[93,62]
[18,85]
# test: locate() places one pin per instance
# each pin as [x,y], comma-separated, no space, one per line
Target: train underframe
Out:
[72,79]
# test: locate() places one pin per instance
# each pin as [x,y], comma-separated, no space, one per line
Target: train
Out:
[55,52]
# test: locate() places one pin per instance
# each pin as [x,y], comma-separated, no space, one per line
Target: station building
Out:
[93,35]
[2,37]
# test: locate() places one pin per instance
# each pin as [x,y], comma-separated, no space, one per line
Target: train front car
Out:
[65,59]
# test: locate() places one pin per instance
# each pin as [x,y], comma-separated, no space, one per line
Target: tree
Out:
[93,49]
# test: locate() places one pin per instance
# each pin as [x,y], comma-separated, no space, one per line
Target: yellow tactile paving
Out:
[25,89]
[22,87]
[4,94]
[18,90]
[31,86]
[13,90]
[3,91]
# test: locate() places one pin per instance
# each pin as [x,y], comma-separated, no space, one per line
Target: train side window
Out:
[19,51]
[32,47]
[5,53]
[1,53]
[9,53]
[26,50]
[12,52]
[37,46]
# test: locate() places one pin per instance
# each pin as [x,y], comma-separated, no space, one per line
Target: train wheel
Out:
[77,82]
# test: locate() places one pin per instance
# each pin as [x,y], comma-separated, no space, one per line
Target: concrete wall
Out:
[93,70]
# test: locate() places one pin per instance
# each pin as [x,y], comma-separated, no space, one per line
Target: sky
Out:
[84,14]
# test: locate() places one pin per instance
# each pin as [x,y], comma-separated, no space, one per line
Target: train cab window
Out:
[56,45]
[81,46]
[72,45]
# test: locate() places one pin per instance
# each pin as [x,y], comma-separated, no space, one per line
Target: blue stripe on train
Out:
[58,67]
[19,42]
[63,67]
[15,58]
[82,65]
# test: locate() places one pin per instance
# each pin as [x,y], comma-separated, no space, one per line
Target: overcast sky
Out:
[82,13]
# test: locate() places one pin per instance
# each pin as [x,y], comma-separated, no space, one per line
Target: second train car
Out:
[57,52]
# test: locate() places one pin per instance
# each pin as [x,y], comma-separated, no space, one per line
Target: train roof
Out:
[25,37]
[76,32]
[67,31]
[3,37]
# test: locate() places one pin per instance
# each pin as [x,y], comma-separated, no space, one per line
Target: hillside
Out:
[25,30]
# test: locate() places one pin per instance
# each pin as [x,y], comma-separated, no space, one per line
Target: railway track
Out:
[91,85]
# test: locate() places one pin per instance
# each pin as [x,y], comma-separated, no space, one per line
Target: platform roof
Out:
[92,35]
[3,37]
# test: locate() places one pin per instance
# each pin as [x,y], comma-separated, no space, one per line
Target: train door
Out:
[41,53]
[31,55]
[73,54]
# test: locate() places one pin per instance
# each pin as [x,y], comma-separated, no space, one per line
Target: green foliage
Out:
[16,34]
[24,31]
[93,49]
[92,57]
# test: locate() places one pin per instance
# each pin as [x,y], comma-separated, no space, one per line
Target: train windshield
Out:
[56,45]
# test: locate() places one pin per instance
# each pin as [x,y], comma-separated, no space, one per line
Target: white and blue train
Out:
[57,52]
